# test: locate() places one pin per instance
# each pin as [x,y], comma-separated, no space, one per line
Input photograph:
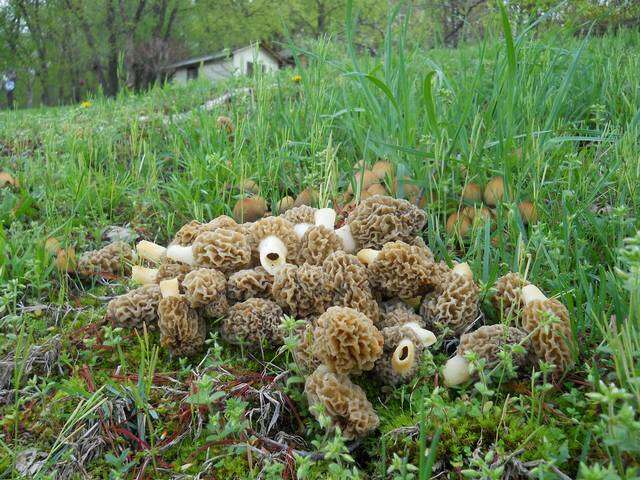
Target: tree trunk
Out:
[113,49]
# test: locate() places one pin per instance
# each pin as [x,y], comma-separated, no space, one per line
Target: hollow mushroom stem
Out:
[456,371]
[463,270]
[144,275]
[348,242]
[368,255]
[531,293]
[325,217]
[404,357]
[301,228]
[170,288]
[150,251]
[426,337]
[181,254]
[273,253]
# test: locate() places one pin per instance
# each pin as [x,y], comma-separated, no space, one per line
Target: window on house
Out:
[192,72]
[249,68]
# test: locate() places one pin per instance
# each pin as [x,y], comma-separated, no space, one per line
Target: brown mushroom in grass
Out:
[252,323]
[346,341]
[273,239]
[250,209]
[472,193]
[113,259]
[52,245]
[307,197]
[249,283]
[300,214]
[458,224]
[400,270]
[136,307]
[383,169]
[66,260]
[206,289]
[285,204]
[486,343]
[8,180]
[454,306]
[362,181]
[182,330]
[528,212]
[303,291]
[507,299]
[494,191]
[381,219]
[403,346]
[547,320]
[396,312]
[343,401]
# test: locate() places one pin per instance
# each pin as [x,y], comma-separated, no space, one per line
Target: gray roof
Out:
[198,60]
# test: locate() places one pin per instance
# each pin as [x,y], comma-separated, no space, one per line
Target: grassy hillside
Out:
[558,117]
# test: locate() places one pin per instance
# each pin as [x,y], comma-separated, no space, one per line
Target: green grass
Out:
[558,116]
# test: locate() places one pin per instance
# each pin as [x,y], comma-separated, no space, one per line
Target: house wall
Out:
[180,77]
[253,54]
[215,71]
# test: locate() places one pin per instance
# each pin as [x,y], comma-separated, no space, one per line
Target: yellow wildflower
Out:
[296,79]
[86,104]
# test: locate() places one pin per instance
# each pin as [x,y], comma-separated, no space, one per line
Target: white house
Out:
[241,61]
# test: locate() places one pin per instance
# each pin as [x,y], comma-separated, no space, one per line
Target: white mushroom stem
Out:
[325,217]
[301,228]
[150,251]
[368,255]
[170,288]
[426,337]
[404,357]
[531,293]
[348,242]
[273,254]
[181,254]
[456,371]
[463,270]
[143,275]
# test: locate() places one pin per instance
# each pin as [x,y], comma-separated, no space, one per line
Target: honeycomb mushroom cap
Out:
[317,244]
[222,221]
[136,307]
[182,330]
[346,341]
[222,249]
[455,305]
[187,234]
[274,226]
[171,269]
[249,283]
[488,341]
[345,271]
[113,259]
[253,321]
[393,336]
[403,270]
[303,291]
[343,401]
[508,297]
[205,286]
[380,219]
[301,214]
[396,312]
[360,299]
[551,342]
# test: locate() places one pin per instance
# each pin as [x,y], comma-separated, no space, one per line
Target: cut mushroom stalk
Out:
[463,270]
[273,254]
[325,217]
[348,242]
[531,293]
[150,251]
[181,254]
[144,275]
[368,255]
[170,288]
[404,357]
[456,371]
[301,228]
[426,337]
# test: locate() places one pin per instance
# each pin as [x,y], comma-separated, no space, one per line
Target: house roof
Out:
[216,56]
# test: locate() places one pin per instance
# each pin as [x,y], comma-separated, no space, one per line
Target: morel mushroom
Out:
[206,288]
[396,312]
[273,239]
[317,243]
[346,341]
[303,291]
[403,345]
[486,342]
[187,234]
[547,320]
[136,307]
[508,297]
[343,401]
[182,330]
[249,283]
[253,322]
[380,219]
[455,304]
[150,251]
[113,259]
[301,214]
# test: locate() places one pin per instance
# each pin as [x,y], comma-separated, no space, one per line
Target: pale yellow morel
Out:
[114,259]
[547,320]
[487,342]
[507,299]
[136,307]
[249,283]
[273,242]
[346,341]
[250,209]
[397,312]
[187,234]
[381,219]
[182,331]
[301,291]
[253,323]
[317,243]
[343,401]
[206,289]
[454,306]
[302,214]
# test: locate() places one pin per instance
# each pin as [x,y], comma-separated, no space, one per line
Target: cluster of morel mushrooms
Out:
[372,294]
